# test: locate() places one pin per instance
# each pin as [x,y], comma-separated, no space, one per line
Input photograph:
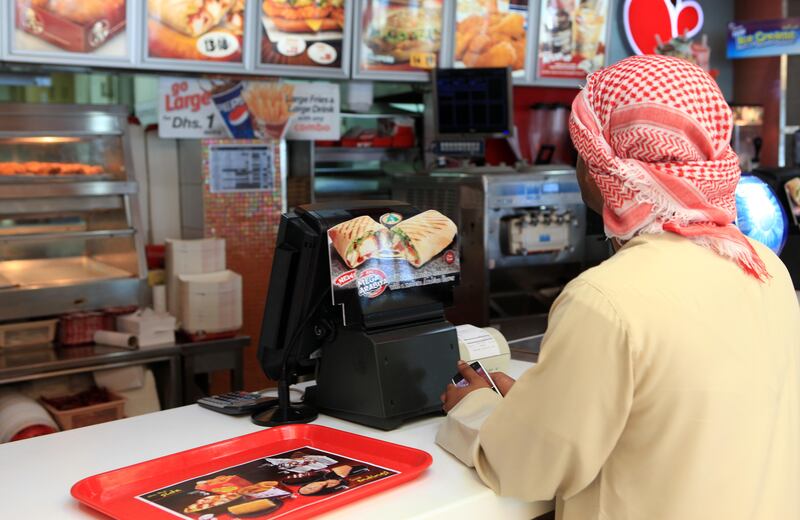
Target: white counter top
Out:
[38,473]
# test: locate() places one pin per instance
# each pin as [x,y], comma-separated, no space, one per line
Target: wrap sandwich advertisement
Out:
[197,30]
[392,252]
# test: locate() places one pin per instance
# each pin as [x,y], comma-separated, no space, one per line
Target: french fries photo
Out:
[270,104]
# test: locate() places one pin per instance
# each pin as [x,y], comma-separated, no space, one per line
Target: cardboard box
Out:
[201,256]
[150,328]
[211,303]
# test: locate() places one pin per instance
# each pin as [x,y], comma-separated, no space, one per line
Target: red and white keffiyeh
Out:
[655,134]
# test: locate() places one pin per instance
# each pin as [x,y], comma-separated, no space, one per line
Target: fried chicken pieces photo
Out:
[492,40]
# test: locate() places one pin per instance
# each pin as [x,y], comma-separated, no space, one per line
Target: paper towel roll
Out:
[160,298]
[116,339]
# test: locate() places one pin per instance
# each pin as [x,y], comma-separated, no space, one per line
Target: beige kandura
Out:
[691,416]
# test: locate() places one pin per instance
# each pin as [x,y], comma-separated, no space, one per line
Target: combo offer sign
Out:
[764,38]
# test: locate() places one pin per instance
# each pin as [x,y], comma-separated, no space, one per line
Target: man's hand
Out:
[453,394]
[503,382]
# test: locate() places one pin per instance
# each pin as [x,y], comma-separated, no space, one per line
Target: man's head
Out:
[653,134]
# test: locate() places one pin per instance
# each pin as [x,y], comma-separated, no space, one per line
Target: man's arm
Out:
[556,427]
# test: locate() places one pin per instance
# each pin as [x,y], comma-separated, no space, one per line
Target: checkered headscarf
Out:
[655,134]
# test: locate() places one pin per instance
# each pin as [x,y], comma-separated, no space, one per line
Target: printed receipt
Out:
[480,344]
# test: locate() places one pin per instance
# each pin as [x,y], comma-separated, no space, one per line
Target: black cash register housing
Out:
[377,362]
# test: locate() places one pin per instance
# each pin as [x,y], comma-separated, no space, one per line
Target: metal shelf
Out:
[67,189]
[111,233]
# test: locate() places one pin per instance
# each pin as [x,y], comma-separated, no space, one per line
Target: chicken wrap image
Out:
[190,17]
[200,30]
[423,236]
[357,240]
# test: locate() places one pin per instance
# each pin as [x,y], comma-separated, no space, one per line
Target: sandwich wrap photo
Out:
[198,30]
[392,252]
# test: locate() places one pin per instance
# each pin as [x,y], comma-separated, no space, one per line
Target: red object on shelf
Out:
[156,255]
[114,493]
[79,328]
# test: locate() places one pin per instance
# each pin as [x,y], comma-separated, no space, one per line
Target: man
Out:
[668,386]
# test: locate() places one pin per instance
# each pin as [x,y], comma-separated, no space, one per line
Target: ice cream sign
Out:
[652,23]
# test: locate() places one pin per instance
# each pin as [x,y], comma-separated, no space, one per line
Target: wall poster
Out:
[572,38]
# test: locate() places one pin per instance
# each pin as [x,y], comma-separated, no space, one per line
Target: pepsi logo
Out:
[648,21]
[239,115]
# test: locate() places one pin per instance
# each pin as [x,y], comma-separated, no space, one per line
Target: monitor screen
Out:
[473,102]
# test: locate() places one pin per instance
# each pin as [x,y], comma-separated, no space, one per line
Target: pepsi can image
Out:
[233,109]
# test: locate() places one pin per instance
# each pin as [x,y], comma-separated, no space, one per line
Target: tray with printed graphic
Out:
[293,471]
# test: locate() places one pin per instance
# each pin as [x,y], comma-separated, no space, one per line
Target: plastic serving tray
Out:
[190,475]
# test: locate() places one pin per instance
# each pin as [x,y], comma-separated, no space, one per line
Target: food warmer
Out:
[69,222]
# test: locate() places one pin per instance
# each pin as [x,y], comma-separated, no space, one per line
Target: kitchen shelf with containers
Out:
[373,147]
[69,238]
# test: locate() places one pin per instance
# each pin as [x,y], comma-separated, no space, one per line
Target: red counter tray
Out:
[113,493]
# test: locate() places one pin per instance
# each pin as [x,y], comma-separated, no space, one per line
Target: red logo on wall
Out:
[648,21]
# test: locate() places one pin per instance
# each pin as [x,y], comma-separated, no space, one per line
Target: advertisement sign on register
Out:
[213,109]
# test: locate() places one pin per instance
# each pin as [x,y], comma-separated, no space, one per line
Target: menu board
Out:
[278,485]
[196,30]
[302,33]
[94,29]
[572,38]
[491,33]
[400,35]
[241,167]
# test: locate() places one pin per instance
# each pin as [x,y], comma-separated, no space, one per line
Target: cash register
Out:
[349,306]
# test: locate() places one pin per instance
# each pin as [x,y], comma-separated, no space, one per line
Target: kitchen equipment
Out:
[69,214]
[523,237]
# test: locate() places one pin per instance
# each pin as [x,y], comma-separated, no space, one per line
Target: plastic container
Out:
[21,417]
[27,333]
[88,415]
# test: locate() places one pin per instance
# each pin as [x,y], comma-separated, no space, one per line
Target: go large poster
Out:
[394,252]
[200,109]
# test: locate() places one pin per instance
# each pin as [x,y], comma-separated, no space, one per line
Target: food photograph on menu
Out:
[269,487]
[94,28]
[302,32]
[572,38]
[401,35]
[197,30]
[392,252]
[491,33]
